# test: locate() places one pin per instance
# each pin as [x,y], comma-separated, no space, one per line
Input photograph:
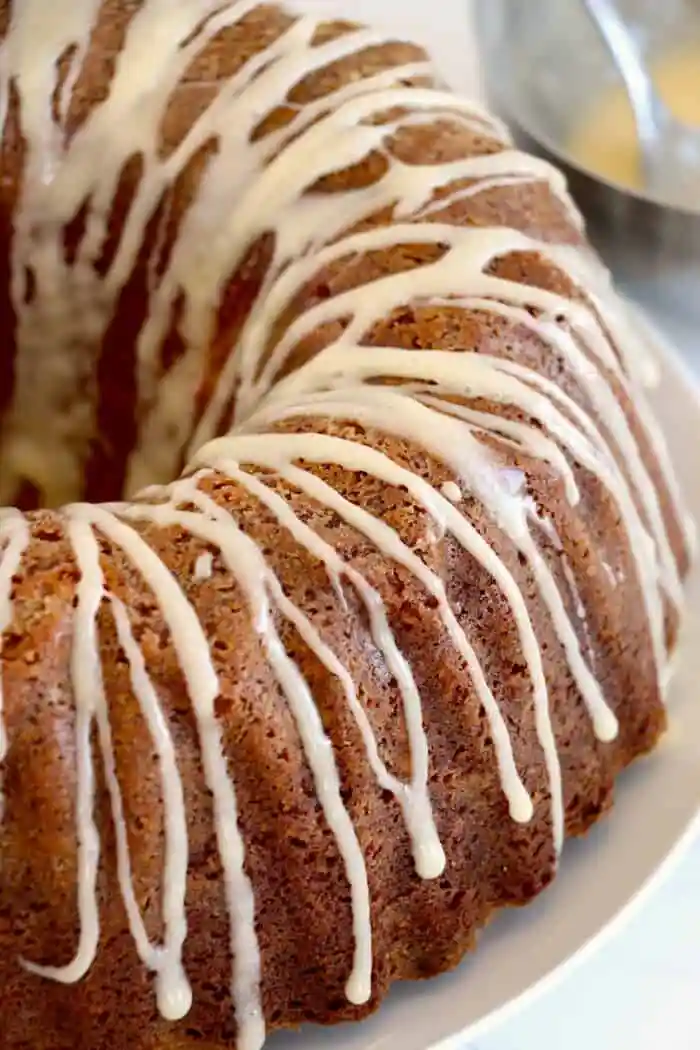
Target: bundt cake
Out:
[345,559]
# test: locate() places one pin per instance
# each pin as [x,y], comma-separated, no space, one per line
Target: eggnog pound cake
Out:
[291,728]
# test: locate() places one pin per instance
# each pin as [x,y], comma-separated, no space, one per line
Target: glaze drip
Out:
[470,410]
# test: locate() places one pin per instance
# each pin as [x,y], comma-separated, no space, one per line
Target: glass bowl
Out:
[544,67]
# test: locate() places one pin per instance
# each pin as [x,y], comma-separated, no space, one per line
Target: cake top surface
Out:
[259,184]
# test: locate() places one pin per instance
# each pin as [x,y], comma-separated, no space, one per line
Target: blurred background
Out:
[552,72]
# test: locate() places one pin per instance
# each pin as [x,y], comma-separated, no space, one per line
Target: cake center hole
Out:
[47,477]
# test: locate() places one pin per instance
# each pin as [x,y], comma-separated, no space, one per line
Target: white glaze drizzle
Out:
[278,452]
[262,590]
[248,180]
[404,416]
[265,186]
[88,692]
[202,684]
[173,990]
[204,566]
[413,797]
[388,541]
[462,270]
[451,491]
[463,266]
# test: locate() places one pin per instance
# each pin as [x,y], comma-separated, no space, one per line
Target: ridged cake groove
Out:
[468,410]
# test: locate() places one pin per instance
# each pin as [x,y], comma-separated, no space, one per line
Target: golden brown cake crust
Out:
[304,906]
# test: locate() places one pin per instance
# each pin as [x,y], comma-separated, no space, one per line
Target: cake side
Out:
[301,882]
[344,688]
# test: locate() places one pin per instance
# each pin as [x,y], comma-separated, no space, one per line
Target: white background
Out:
[642,990]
